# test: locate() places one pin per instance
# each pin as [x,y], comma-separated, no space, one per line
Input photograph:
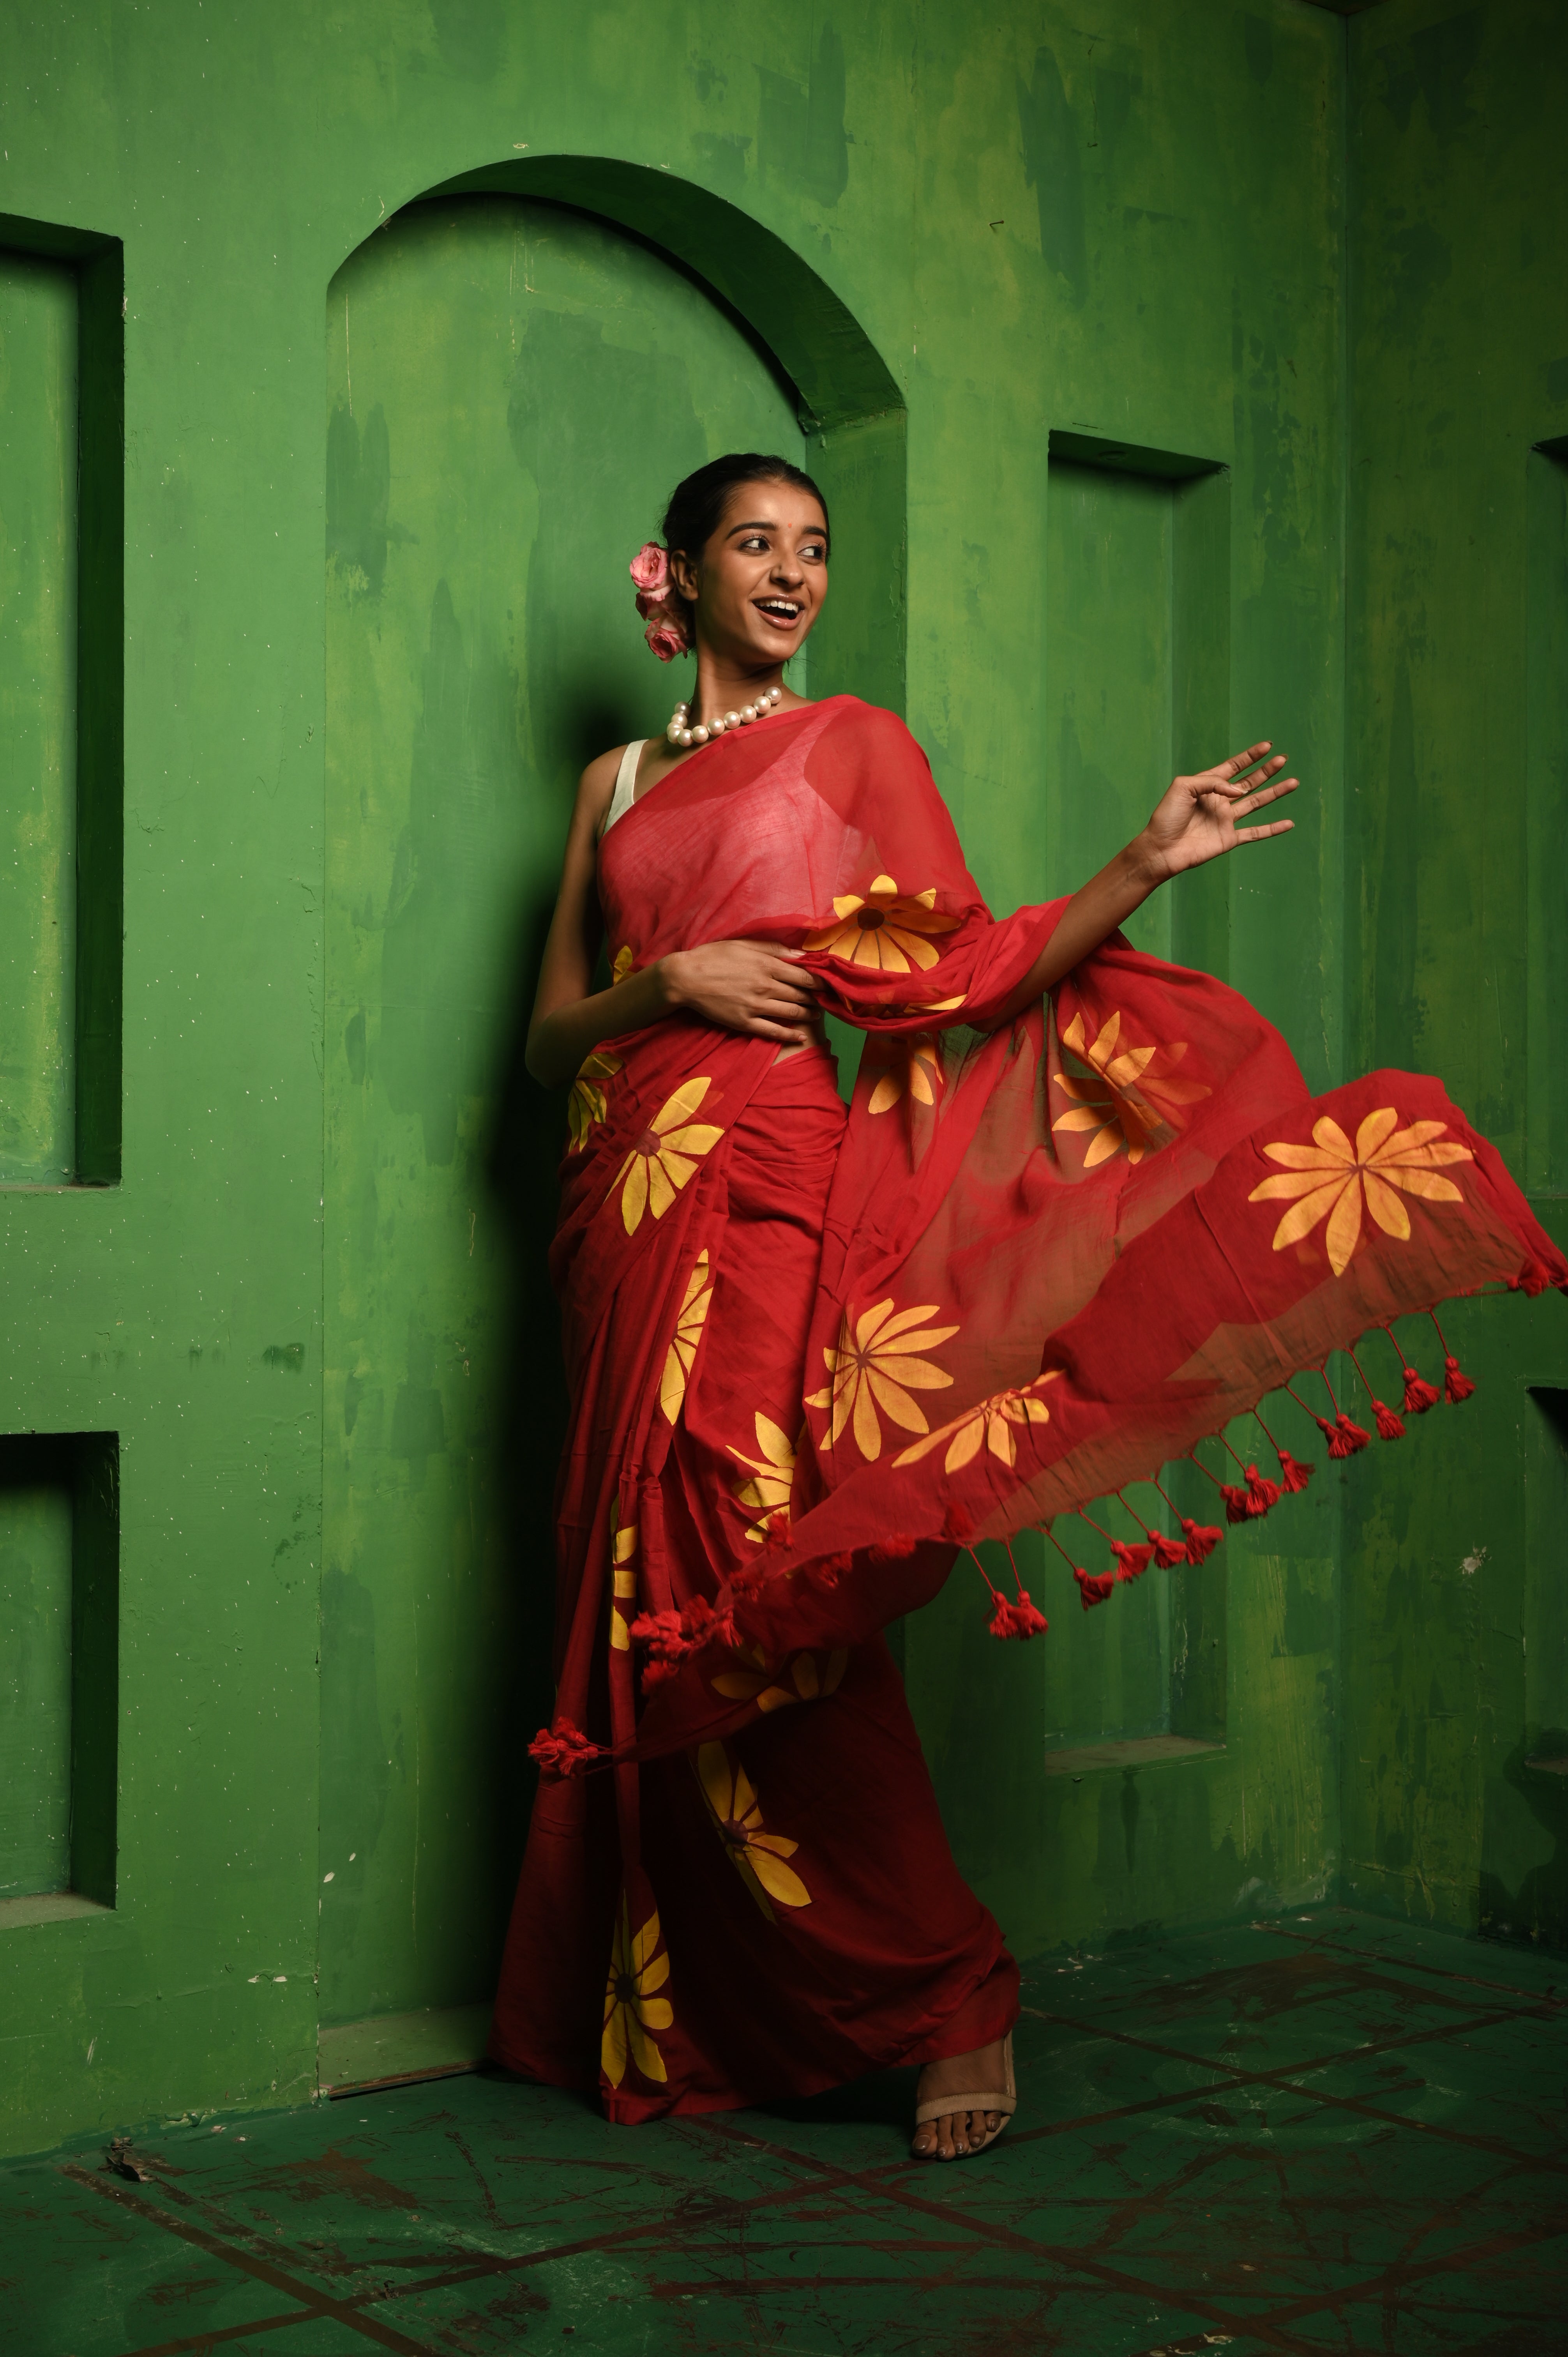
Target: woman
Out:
[812,1353]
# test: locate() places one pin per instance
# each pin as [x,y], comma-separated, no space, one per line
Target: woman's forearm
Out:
[558,1042]
[1090,918]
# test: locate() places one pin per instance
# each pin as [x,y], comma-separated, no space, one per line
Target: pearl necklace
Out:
[679,734]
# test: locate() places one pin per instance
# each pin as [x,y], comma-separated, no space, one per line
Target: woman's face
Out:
[763,575]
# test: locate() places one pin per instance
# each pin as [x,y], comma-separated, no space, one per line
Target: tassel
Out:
[1456,1385]
[777,1535]
[896,1545]
[1093,1587]
[959,1527]
[1262,1493]
[1235,1499]
[1017,1620]
[1294,1474]
[564,1750]
[1418,1395]
[1532,1279]
[1390,1427]
[1346,1438]
[1168,1551]
[1202,1538]
[1132,1561]
[829,1569]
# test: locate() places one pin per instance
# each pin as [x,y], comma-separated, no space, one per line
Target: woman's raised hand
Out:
[744,985]
[1197,818]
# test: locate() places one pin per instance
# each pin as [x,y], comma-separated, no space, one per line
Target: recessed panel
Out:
[39,361]
[59,1655]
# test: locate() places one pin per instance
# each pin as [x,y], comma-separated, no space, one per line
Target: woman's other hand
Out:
[745,986]
[1198,818]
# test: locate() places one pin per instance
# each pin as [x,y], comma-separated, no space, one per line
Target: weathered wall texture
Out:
[1459,340]
[312,1308]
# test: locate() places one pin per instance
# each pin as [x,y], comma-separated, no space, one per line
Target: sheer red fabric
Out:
[813,1356]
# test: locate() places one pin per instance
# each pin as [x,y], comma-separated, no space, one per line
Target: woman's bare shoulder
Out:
[595,787]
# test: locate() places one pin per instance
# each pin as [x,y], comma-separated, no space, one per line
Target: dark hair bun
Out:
[697,506]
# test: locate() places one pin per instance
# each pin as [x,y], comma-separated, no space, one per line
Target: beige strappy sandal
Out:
[991,2101]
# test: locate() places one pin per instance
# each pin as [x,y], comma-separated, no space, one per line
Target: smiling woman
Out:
[814,1353]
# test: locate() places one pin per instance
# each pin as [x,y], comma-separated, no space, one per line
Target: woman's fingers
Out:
[1261,834]
[1240,761]
[1265,795]
[1223,781]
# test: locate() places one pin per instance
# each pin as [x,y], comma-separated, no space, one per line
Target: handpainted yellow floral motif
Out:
[631,2010]
[1126,1096]
[872,1369]
[885,929]
[622,965]
[992,1424]
[919,1073]
[623,1581]
[758,1856]
[773,1475]
[683,1344]
[803,1678]
[589,1097]
[1330,1177]
[664,1157]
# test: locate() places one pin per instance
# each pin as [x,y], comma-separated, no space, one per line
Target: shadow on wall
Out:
[1538,1910]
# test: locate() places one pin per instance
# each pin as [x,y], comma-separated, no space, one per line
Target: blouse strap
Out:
[625,785]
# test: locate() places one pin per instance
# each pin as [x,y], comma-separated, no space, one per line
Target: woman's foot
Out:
[953,2134]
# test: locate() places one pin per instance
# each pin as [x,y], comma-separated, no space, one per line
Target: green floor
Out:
[1328,2134]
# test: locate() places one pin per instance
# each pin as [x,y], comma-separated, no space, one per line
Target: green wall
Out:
[1458,818]
[1127,354]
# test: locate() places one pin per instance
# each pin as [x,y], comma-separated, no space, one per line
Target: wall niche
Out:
[61,701]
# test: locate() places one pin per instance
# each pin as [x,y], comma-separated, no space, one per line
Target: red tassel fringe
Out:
[1093,1587]
[896,1545]
[1019,1619]
[1418,1395]
[1167,1551]
[1294,1474]
[1132,1561]
[1390,1425]
[1344,1438]
[1235,1502]
[1261,1495]
[1202,1538]
[1456,1385]
[564,1750]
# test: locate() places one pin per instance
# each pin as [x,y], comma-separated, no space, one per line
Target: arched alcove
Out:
[520,366]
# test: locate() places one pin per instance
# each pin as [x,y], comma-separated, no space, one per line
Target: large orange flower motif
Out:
[664,1157]
[802,1679]
[631,2010]
[623,1581]
[992,1424]
[1329,1179]
[758,1856]
[920,1072]
[872,1369]
[589,1097]
[773,1476]
[683,1343]
[885,929]
[1126,1096]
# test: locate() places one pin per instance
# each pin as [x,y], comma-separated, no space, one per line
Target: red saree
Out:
[811,1357]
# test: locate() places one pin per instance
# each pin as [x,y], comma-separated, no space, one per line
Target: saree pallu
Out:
[812,1356]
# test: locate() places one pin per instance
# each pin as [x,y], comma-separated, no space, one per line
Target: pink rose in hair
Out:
[665,638]
[649,568]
